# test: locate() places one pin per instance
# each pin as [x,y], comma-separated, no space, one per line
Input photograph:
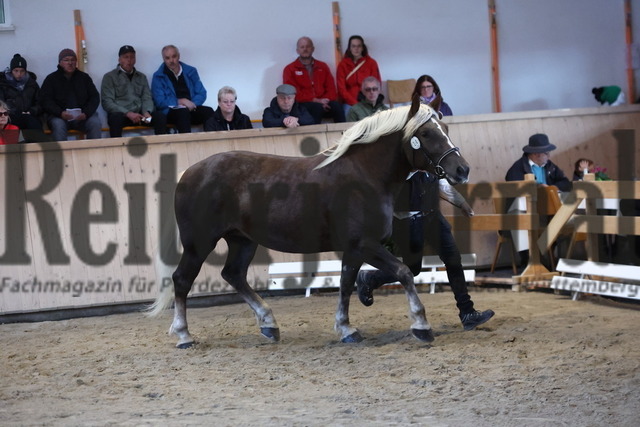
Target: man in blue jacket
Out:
[179,94]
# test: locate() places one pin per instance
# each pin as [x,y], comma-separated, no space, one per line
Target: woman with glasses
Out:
[228,116]
[429,92]
[6,137]
[353,69]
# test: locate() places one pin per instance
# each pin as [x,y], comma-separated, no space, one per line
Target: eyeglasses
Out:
[371,89]
[427,87]
[4,113]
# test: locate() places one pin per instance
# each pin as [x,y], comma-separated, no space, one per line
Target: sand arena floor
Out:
[543,360]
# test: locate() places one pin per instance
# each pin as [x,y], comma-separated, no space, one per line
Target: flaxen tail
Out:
[164,271]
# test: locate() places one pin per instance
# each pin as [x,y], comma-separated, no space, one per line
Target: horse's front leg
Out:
[179,326]
[383,260]
[348,334]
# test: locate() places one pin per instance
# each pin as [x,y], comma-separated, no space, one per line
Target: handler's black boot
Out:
[475,318]
[367,281]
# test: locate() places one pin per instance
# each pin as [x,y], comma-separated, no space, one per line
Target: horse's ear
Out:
[415,105]
[436,103]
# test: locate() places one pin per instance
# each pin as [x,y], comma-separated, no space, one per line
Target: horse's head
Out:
[430,148]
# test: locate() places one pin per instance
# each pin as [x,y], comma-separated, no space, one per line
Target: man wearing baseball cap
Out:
[70,99]
[126,97]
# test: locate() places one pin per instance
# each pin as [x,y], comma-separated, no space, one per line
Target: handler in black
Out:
[417,219]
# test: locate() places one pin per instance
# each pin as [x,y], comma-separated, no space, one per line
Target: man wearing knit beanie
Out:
[18,62]
[70,99]
[19,89]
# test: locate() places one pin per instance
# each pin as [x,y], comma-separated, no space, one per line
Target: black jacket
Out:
[57,93]
[21,101]
[553,173]
[273,117]
[420,193]
[239,121]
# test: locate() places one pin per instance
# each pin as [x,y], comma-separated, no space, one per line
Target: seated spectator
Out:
[127,99]
[228,116]
[429,92]
[70,99]
[179,94]
[284,111]
[356,65]
[535,160]
[372,102]
[315,87]
[19,89]
[8,132]
[582,166]
[610,95]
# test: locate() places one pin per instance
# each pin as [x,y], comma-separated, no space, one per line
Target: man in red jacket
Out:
[315,86]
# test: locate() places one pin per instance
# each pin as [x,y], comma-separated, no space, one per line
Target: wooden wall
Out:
[123,175]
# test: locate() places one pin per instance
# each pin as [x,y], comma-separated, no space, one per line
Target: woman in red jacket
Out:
[7,137]
[356,66]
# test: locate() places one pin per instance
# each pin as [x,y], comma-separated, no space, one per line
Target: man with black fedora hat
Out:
[126,97]
[535,160]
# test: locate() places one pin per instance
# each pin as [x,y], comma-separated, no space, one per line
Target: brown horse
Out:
[338,200]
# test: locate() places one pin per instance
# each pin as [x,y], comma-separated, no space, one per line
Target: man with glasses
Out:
[70,99]
[371,100]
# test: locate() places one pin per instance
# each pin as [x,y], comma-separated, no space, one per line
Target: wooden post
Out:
[534,269]
[81,44]
[495,66]
[336,31]
[631,86]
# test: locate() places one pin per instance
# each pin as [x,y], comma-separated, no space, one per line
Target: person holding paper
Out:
[70,100]
[178,92]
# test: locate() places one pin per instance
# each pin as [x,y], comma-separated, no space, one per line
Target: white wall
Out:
[552,52]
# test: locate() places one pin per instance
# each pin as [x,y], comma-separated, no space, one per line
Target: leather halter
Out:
[437,169]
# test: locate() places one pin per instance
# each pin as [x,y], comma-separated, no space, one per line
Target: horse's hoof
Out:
[425,335]
[271,333]
[353,338]
[183,345]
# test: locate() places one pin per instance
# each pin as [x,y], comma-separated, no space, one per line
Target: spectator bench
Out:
[326,274]
[616,280]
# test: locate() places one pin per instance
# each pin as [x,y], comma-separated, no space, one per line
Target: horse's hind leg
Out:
[383,260]
[183,277]
[241,252]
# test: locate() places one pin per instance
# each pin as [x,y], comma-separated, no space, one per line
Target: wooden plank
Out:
[494,222]
[606,224]
[607,189]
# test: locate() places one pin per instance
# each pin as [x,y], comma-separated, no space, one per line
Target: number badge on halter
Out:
[415,143]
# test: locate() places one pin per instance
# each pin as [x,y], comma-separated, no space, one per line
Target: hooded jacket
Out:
[20,101]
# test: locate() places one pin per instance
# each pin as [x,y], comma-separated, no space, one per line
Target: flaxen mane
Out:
[373,127]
